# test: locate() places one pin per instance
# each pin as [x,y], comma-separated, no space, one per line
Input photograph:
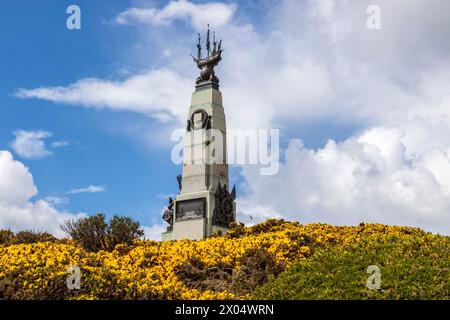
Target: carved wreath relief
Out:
[199,120]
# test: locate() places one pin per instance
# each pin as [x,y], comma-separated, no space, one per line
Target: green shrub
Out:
[29,236]
[123,230]
[413,268]
[95,234]
[6,237]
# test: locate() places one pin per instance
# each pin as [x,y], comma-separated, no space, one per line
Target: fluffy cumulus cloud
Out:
[154,232]
[394,169]
[17,210]
[315,62]
[199,15]
[30,144]
[371,177]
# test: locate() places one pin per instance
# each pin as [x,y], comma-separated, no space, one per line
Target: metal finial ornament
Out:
[214,43]
[199,47]
[208,44]
[207,64]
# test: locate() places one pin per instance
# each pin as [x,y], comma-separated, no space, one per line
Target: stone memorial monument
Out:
[204,204]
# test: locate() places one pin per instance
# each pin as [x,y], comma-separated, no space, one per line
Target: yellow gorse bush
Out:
[150,269]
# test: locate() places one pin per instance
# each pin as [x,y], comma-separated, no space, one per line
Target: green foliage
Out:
[88,232]
[29,236]
[123,230]
[7,237]
[95,234]
[411,268]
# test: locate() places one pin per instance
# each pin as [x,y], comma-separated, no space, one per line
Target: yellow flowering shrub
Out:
[226,267]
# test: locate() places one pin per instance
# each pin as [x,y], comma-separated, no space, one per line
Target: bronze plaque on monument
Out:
[189,209]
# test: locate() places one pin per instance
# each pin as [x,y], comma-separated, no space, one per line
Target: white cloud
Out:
[54,200]
[394,171]
[371,177]
[16,184]
[89,189]
[30,144]
[154,232]
[158,93]
[59,144]
[17,211]
[198,15]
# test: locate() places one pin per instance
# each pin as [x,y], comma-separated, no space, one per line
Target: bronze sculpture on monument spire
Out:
[207,64]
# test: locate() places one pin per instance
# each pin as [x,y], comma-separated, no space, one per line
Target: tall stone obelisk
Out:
[204,204]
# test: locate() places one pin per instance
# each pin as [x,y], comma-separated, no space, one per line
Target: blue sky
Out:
[354,107]
[42,51]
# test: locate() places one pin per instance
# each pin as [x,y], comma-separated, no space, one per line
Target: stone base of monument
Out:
[194,217]
[191,227]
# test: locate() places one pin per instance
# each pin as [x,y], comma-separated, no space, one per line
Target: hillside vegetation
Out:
[271,260]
